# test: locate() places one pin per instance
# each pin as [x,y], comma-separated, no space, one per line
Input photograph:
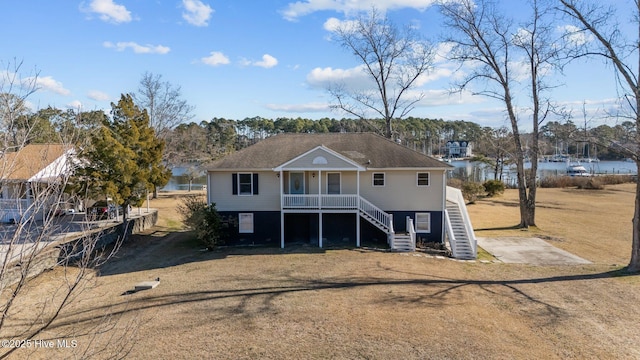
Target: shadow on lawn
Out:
[258,301]
[162,249]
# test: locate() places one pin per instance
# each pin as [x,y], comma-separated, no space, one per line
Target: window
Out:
[423,222]
[378,179]
[245,223]
[245,184]
[423,179]
[333,183]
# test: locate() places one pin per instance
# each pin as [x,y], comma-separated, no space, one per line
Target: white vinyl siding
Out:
[220,186]
[400,192]
[423,223]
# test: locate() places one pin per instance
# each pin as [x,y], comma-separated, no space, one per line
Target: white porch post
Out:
[358,229]
[320,229]
[319,189]
[30,196]
[358,210]
[444,205]
[320,208]
[281,176]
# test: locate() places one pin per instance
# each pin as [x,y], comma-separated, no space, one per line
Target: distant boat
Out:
[575,169]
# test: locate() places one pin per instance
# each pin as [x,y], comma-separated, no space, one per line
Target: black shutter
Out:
[255,184]
[234,180]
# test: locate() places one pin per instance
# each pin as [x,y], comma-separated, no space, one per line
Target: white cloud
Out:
[295,10]
[326,77]
[75,104]
[48,83]
[110,11]
[332,24]
[97,95]
[137,48]
[196,12]
[357,78]
[575,36]
[300,108]
[215,58]
[267,62]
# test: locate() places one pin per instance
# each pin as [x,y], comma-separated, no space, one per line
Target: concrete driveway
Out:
[532,251]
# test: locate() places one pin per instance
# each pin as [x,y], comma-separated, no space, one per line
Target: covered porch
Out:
[319,182]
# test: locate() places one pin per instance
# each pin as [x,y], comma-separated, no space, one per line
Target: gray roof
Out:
[359,147]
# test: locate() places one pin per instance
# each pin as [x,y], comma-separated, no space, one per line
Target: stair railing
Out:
[412,232]
[376,214]
[455,195]
[450,235]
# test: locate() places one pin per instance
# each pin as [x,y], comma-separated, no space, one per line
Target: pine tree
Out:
[125,158]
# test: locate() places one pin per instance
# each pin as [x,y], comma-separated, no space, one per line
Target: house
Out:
[30,179]
[459,149]
[331,189]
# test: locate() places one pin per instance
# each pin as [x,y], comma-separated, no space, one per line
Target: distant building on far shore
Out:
[459,149]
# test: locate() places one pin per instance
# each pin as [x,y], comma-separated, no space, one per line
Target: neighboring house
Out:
[27,178]
[331,189]
[459,149]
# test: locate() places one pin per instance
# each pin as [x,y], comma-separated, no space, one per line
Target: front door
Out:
[296,183]
[296,187]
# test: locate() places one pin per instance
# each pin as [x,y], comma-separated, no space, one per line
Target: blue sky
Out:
[237,58]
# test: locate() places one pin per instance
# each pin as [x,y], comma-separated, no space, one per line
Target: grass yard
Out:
[308,303]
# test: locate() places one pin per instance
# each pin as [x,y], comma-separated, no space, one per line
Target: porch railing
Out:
[310,201]
[379,216]
[12,209]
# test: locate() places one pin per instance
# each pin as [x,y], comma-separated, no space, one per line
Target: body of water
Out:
[481,172]
[179,182]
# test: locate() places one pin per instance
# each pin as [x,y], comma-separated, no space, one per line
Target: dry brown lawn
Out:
[306,303]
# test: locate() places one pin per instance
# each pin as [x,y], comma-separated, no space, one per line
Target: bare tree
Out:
[495,48]
[14,90]
[163,102]
[598,34]
[33,184]
[393,59]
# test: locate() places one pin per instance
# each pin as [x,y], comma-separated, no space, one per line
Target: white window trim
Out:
[239,187]
[384,179]
[248,217]
[339,180]
[428,178]
[428,221]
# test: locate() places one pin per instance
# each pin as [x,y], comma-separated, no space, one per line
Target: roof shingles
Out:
[367,149]
[28,161]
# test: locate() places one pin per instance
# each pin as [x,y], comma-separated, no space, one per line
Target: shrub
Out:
[584,182]
[559,182]
[493,187]
[202,218]
[593,183]
[471,190]
[456,183]
[616,179]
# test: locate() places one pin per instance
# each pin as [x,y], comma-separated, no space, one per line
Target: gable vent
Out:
[320,160]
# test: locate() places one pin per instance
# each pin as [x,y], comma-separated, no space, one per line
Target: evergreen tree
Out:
[124,161]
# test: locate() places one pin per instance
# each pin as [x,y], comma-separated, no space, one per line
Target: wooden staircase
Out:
[403,242]
[459,232]
[384,221]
